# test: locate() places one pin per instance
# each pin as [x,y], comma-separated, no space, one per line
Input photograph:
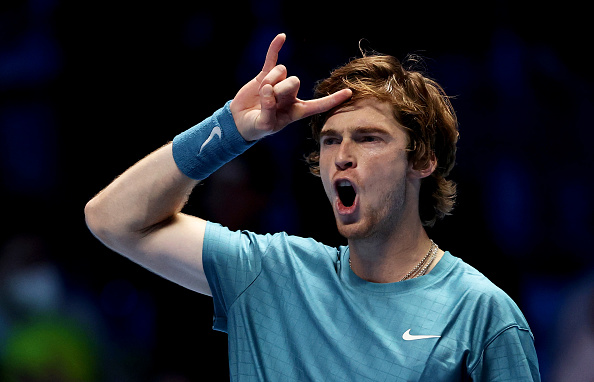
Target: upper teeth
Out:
[344,183]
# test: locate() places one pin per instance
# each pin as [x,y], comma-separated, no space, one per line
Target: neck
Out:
[388,259]
[388,254]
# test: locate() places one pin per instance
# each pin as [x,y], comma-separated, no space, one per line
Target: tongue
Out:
[347,195]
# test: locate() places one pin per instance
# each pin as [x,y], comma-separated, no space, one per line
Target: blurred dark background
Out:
[89,88]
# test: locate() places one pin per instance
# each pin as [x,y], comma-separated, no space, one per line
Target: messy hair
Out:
[420,105]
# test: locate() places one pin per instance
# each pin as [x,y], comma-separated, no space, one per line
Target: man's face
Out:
[364,168]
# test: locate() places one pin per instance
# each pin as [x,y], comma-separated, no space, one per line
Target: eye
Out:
[328,141]
[369,139]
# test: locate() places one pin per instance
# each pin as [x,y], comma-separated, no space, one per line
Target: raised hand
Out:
[269,102]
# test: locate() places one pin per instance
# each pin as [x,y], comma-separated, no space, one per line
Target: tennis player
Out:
[389,306]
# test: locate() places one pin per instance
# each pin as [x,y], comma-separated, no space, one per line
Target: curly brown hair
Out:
[420,105]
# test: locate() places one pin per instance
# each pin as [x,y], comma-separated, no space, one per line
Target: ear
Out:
[420,173]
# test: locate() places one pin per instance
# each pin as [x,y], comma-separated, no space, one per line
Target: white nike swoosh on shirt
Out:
[411,337]
[215,131]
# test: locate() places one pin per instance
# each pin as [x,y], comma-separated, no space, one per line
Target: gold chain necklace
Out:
[421,268]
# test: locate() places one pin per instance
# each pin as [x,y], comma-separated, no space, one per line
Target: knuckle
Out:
[287,87]
[267,102]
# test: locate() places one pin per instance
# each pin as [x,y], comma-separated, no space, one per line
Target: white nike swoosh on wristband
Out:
[411,337]
[215,131]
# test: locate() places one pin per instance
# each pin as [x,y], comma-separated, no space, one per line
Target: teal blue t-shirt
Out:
[294,311]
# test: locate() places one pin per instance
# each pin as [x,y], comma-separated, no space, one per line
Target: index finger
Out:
[272,54]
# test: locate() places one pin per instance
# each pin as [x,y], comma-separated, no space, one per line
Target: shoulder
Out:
[474,282]
[490,304]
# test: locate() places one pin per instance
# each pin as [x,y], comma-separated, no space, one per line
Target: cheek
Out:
[386,177]
[386,165]
[327,185]
[325,176]
[325,166]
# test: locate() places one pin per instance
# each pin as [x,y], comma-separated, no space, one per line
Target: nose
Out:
[345,157]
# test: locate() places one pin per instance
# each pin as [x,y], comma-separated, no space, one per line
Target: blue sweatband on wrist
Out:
[204,148]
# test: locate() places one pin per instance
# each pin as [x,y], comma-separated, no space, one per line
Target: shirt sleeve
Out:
[232,261]
[509,356]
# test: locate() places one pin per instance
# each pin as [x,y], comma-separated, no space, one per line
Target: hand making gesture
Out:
[269,102]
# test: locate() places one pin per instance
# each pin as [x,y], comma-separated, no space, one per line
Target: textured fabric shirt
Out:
[295,311]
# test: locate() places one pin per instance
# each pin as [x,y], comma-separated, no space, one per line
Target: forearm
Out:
[149,193]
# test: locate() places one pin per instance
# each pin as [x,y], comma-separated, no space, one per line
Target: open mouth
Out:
[346,193]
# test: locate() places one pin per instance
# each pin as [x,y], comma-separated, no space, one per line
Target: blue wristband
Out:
[204,148]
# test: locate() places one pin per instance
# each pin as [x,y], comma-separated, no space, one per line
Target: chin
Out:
[371,226]
[353,230]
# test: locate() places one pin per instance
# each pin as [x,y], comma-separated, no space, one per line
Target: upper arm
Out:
[138,216]
[173,250]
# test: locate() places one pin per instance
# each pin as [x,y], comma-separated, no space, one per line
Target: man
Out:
[389,306]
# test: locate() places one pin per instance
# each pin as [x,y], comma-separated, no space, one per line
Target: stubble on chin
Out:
[378,222]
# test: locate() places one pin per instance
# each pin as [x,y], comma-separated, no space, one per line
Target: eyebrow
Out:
[357,129]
